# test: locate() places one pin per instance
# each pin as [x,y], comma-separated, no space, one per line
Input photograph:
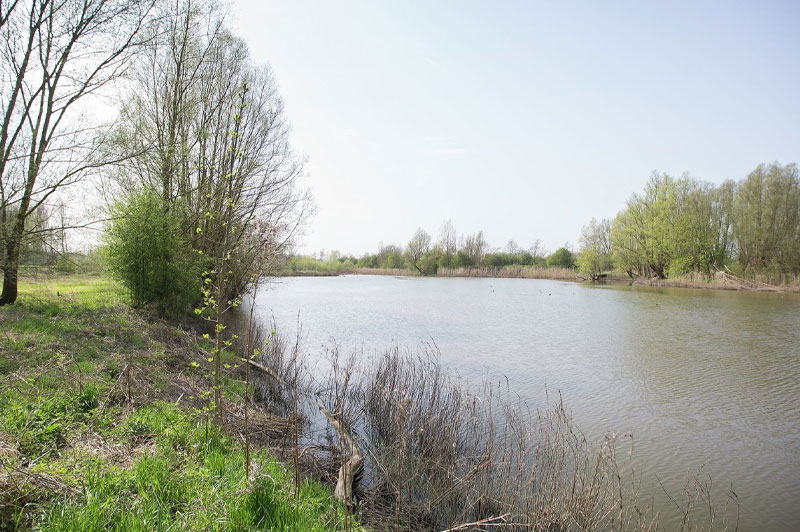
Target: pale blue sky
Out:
[522,119]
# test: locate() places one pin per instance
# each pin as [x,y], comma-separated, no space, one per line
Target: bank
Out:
[720,281]
[103,425]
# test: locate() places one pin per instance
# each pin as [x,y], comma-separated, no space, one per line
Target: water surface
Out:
[699,377]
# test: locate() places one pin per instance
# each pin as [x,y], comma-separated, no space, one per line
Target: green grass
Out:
[183,481]
[75,456]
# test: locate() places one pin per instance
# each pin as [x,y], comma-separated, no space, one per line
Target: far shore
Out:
[721,282]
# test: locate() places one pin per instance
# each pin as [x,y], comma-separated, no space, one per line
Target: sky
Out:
[521,119]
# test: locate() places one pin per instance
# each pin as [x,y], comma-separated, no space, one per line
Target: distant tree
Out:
[429,263]
[561,258]
[767,219]
[368,261]
[462,260]
[594,257]
[644,232]
[417,247]
[475,247]
[525,258]
[448,238]
[537,249]
[390,256]
[626,241]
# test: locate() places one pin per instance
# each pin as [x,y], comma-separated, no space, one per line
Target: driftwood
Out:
[351,468]
[756,285]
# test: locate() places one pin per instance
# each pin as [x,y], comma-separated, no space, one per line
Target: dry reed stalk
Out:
[436,452]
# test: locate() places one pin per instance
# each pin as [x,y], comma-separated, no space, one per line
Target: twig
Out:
[108,395]
[488,520]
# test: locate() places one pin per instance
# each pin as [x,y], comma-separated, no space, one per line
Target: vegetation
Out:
[105,407]
[148,253]
[97,416]
[595,256]
[58,55]
[201,134]
[680,226]
[423,256]
[204,131]
[677,229]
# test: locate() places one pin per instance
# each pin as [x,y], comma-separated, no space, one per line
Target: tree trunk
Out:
[10,273]
[349,471]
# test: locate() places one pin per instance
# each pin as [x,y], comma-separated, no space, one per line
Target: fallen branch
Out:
[488,520]
[351,468]
[266,370]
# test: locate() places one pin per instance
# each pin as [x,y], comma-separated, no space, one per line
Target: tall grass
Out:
[443,455]
[523,272]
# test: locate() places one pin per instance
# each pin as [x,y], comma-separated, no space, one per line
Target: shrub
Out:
[65,264]
[562,257]
[461,260]
[147,252]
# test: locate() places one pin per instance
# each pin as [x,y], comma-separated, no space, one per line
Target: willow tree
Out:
[767,219]
[55,55]
[212,139]
[416,248]
[594,257]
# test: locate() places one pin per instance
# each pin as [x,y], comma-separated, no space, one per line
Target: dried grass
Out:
[441,455]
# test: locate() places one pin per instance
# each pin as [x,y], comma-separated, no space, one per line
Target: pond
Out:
[698,377]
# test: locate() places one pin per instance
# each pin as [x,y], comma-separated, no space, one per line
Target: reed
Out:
[441,454]
[521,272]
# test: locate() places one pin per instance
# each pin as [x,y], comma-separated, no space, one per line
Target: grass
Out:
[78,453]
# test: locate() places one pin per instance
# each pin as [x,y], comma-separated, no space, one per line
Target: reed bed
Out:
[522,272]
[763,282]
[440,454]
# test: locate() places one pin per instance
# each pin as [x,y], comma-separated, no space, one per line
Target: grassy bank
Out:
[102,428]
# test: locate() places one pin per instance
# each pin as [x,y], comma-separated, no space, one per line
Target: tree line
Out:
[426,256]
[676,226]
[684,225]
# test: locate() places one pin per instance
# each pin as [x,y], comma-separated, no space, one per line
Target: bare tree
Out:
[537,249]
[448,238]
[419,244]
[211,136]
[475,247]
[54,55]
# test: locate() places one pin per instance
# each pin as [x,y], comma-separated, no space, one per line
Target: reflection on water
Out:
[697,376]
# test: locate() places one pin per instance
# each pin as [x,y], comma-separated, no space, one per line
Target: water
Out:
[699,377]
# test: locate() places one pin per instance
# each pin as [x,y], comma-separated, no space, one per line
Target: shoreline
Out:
[724,282]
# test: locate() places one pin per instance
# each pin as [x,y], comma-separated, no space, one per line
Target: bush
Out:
[65,264]
[147,252]
[562,257]
[461,260]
